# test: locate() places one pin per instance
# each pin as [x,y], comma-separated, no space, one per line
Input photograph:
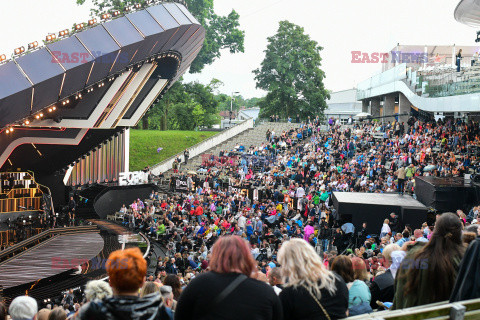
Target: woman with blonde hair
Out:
[149,287]
[311,291]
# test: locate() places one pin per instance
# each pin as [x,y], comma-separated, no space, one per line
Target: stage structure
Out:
[374,208]
[66,106]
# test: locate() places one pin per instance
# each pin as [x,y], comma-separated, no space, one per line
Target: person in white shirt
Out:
[385,229]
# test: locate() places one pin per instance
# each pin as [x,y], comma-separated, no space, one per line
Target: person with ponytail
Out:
[428,272]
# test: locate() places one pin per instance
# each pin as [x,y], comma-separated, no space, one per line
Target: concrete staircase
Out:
[252,137]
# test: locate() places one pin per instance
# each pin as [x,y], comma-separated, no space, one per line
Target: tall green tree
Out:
[291,74]
[221,32]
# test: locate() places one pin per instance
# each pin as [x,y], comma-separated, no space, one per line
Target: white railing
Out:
[203,146]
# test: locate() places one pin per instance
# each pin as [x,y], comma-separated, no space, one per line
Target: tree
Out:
[221,32]
[291,75]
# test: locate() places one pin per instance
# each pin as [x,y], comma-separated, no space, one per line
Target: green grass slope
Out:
[144,145]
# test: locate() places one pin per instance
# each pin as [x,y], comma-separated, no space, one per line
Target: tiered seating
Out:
[19,192]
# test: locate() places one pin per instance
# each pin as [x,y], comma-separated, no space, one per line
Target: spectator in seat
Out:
[97,289]
[229,290]
[3,311]
[382,286]
[57,314]
[428,272]
[312,291]
[127,270]
[23,308]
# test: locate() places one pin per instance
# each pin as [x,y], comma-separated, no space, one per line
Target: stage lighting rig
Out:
[19,50]
[79,26]
[32,45]
[50,37]
[64,33]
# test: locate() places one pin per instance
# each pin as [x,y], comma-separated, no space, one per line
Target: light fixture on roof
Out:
[32,45]
[50,37]
[26,123]
[116,13]
[3,57]
[78,96]
[65,102]
[105,16]
[64,33]
[79,26]
[92,22]
[19,50]
[137,6]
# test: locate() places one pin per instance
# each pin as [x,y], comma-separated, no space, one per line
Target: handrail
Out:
[41,185]
[197,144]
[21,246]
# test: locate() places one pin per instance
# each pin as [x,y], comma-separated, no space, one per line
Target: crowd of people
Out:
[273,222]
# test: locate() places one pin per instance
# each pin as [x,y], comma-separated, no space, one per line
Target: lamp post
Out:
[231,101]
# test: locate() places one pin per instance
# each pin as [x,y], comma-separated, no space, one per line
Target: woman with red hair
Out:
[229,291]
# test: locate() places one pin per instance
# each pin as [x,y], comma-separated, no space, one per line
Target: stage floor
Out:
[391,199]
[49,258]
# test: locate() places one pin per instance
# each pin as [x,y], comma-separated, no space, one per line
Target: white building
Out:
[343,104]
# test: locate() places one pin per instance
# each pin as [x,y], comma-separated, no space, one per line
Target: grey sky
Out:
[340,26]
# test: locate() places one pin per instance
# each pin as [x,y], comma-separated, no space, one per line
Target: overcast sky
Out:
[339,26]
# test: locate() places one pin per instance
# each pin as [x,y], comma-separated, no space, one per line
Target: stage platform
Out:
[446,194]
[50,258]
[374,208]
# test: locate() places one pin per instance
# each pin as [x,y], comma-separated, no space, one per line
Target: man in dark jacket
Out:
[126,270]
[382,287]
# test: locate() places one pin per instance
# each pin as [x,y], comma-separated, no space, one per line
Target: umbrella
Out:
[362,115]
[191,172]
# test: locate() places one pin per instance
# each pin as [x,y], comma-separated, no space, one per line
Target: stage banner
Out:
[132,178]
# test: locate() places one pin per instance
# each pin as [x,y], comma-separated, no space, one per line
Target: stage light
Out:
[54,108]
[116,13]
[41,115]
[129,8]
[64,33]
[79,26]
[78,96]
[51,37]
[101,85]
[3,57]
[65,102]
[92,22]
[26,123]
[150,2]
[7,131]
[19,50]
[137,6]
[50,109]
[32,45]
[37,117]
[105,16]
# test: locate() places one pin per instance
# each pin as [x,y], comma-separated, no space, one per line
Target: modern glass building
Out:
[425,81]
